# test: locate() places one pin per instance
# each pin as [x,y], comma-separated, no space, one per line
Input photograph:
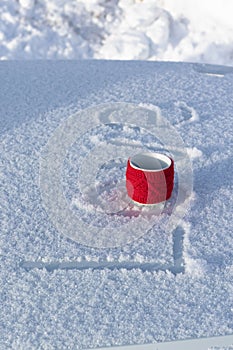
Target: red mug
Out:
[150,178]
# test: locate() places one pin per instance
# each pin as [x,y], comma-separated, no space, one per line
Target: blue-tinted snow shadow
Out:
[207,182]
[32,88]
[211,178]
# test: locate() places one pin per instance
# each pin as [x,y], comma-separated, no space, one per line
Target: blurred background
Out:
[165,30]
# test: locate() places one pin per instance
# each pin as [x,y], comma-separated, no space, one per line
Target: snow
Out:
[164,30]
[57,293]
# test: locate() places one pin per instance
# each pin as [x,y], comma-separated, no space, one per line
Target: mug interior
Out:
[150,161]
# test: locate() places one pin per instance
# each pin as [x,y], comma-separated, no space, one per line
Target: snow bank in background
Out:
[181,30]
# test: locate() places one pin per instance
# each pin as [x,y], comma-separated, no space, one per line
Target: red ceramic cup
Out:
[150,178]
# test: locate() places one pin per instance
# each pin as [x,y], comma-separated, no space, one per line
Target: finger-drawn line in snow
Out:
[175,268]
[222,342]
[213,70]
[188,113]
[118,233]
